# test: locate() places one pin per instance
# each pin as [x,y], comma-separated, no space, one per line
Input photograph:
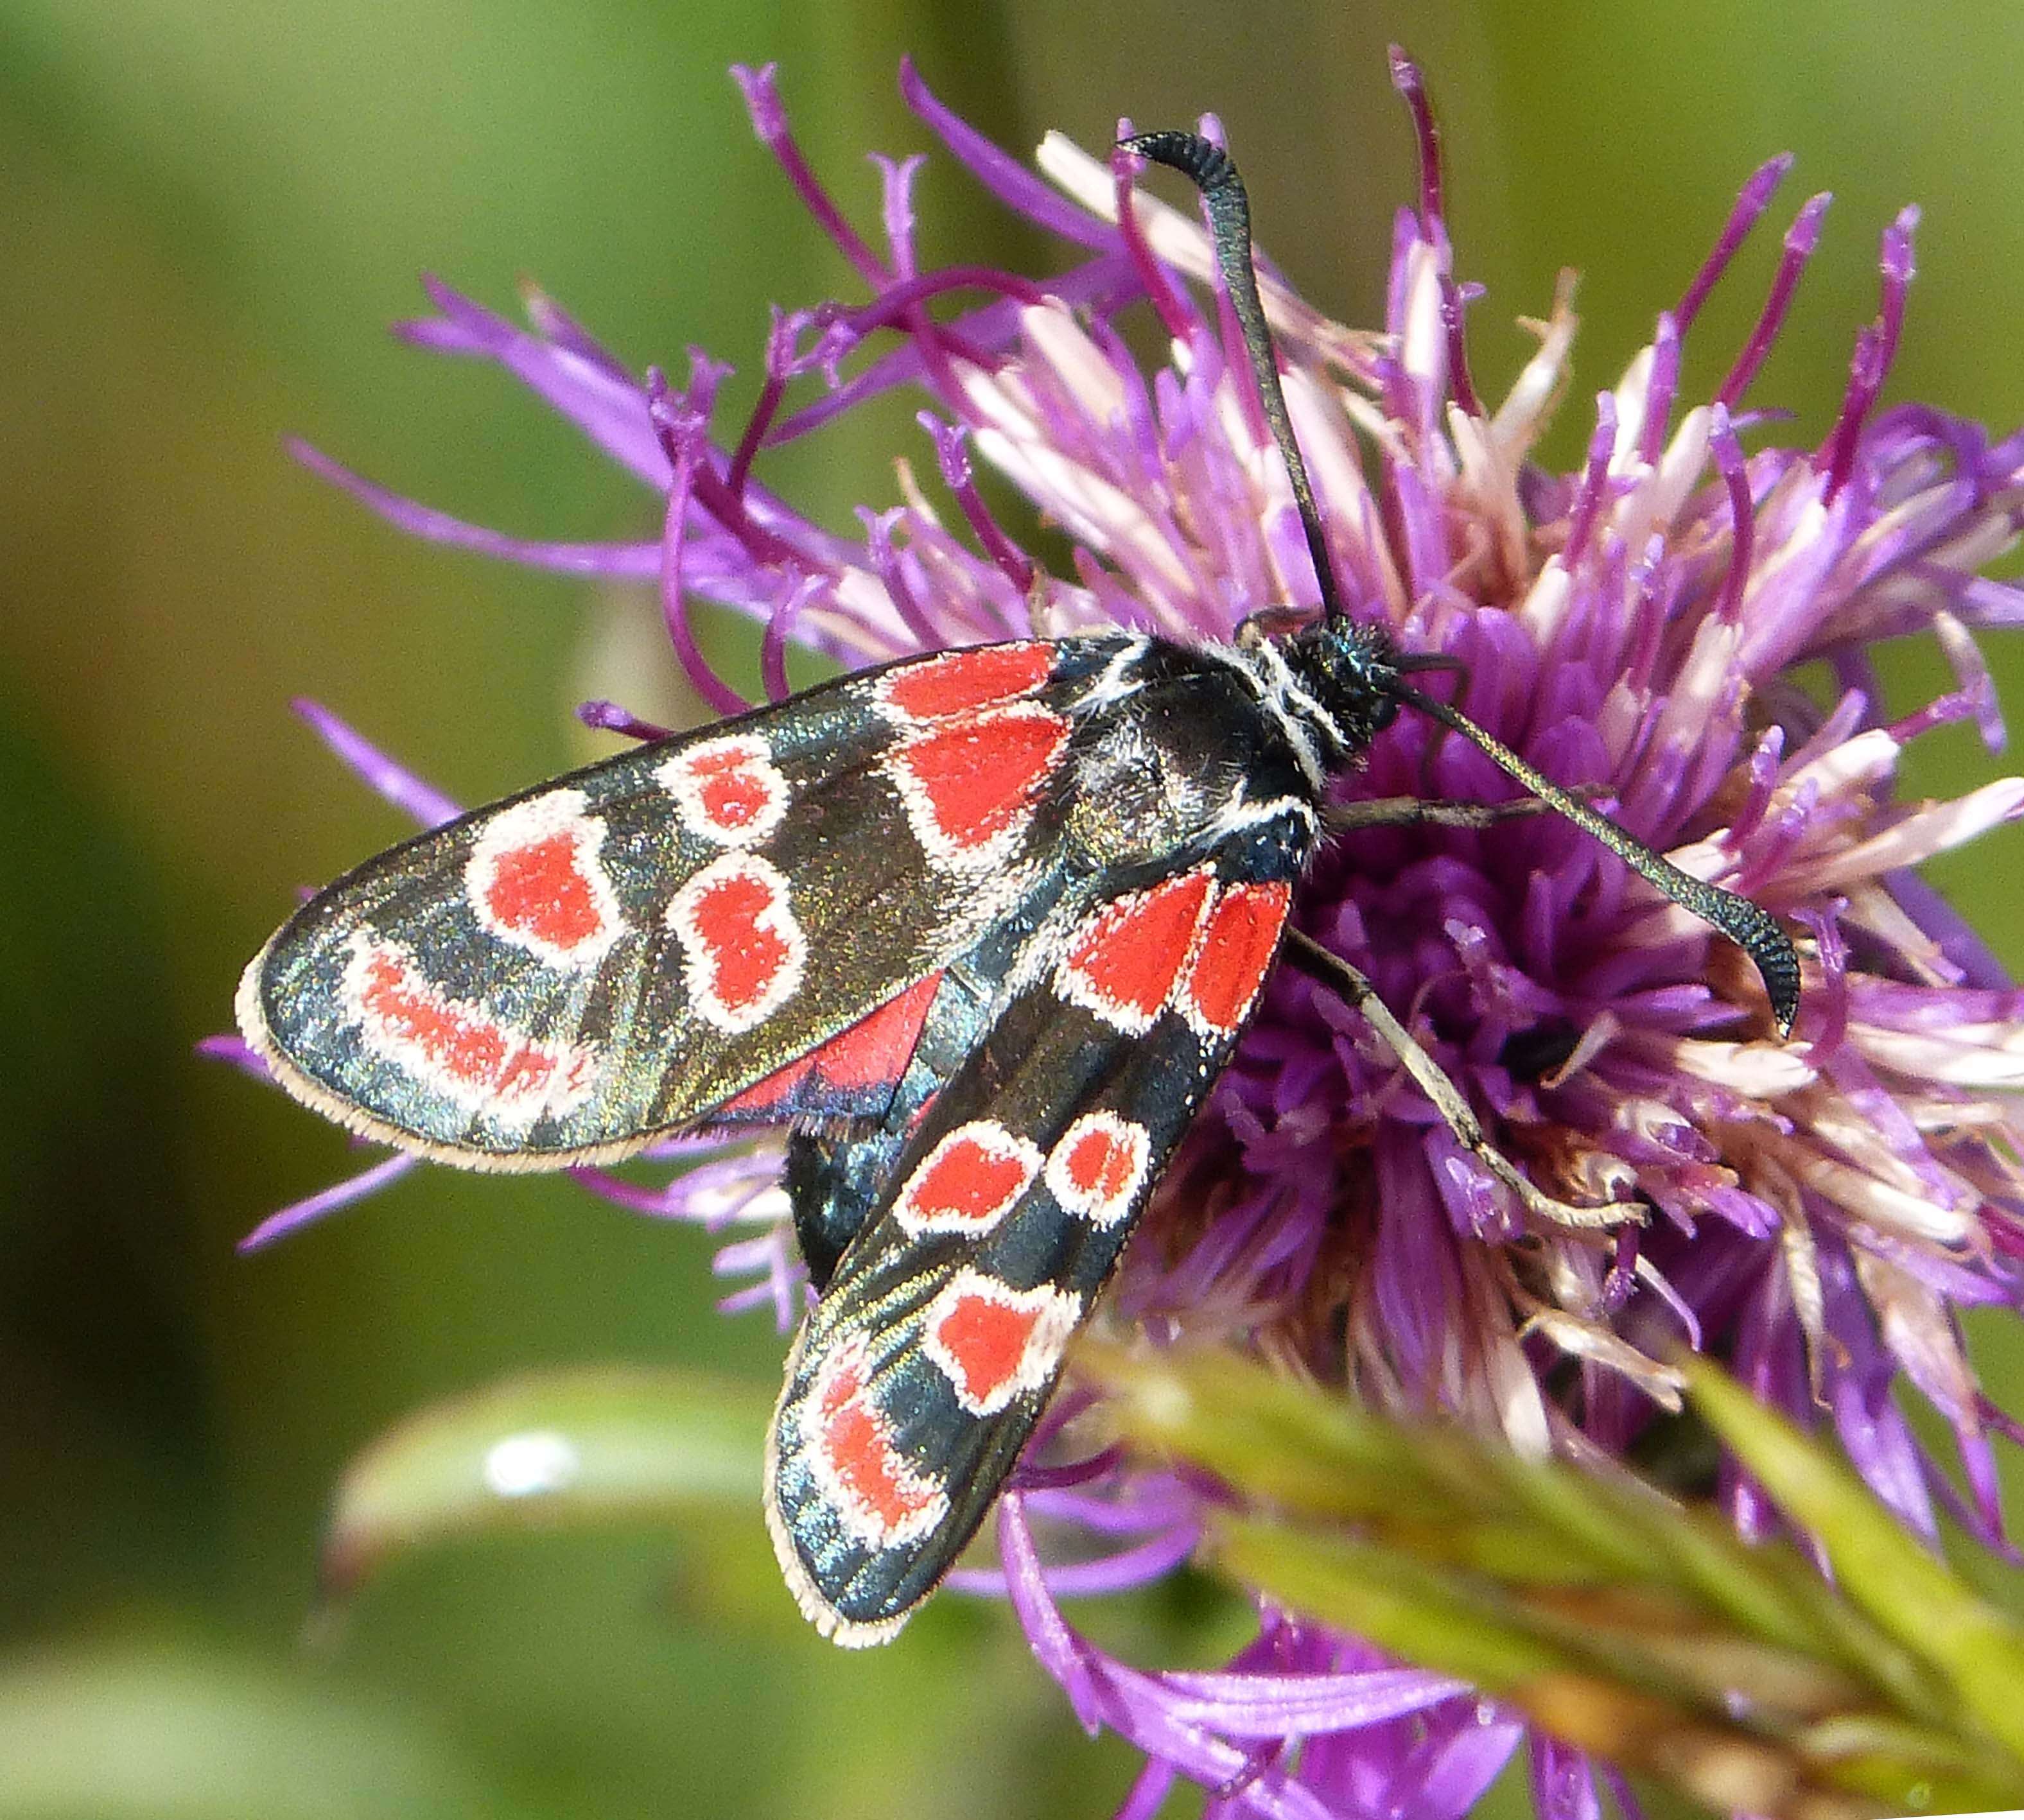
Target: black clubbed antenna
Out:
[1207,166]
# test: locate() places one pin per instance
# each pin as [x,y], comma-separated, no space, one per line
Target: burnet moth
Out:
[982,926]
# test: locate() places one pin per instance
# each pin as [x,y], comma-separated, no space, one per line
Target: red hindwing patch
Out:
[534,878]
[454,1047]
[729,791]
[992,1342]
[743,952]
[1122,962]
[960,681]
[880,1497]
[968,1182]
[970,784]
[1239,938]
[876,1049]
[1098,1166]
[873,1052]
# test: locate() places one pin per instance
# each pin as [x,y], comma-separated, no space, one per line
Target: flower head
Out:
[1681,629]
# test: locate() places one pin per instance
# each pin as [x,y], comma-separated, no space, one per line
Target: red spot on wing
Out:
[968,1182]
[465,1046]
[535,880]
[960,680]
[881,1498]
[729,790]
[539,890]
[732,918]
[732,792]
[1122,962]
[1239,938]
[970,783]
[1098,1166]
[992,1342]
[872,1052]
[986,1341]
[744,950]
[458,1048]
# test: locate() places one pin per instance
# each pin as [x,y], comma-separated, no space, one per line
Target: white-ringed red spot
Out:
[957,682]
[454,1048]
[534,878]
[743,952]
[968,1182]
[880,1497]
[728,791]
[1098,1166]
[1122,961]
[969,783]
[1239,936]
[993,1342]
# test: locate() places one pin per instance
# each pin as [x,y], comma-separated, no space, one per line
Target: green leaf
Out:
[1612,1616]
[1397,1605]
[573,1448]
[1444,1622]
[1885,1570]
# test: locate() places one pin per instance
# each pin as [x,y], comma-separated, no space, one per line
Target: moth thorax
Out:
[1134,798]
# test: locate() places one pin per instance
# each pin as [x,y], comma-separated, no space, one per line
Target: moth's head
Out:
[1353,671]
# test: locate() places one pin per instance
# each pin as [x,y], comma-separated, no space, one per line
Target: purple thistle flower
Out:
[1818,1211]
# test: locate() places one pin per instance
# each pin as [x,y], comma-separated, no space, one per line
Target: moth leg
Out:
[1454,667]
[1333,971]
[1418,812]
[1269,625]
[1424,812]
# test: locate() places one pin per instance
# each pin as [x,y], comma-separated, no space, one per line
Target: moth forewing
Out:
[567,974]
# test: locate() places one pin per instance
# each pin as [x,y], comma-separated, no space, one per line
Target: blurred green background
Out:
[211,207]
